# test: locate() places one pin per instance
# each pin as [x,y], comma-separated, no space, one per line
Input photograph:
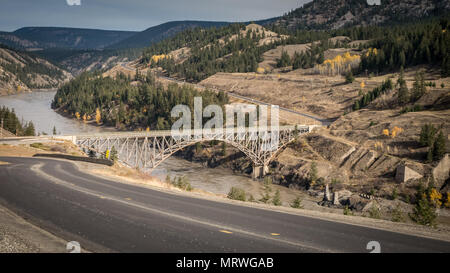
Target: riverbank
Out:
[4,92]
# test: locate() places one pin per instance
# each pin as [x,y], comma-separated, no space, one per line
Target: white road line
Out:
[37,169]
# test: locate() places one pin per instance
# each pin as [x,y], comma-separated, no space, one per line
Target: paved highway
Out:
[104,215]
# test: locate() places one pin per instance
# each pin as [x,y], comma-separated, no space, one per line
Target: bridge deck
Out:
[162,133]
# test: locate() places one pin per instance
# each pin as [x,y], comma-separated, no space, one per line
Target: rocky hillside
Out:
[21,71]
[324,14]
[161,32]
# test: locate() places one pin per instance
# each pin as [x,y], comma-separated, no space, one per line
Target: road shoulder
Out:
[19,236]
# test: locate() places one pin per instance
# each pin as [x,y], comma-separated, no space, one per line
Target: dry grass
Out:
[28,150]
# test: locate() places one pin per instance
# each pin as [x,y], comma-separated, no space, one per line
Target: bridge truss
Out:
[146,150]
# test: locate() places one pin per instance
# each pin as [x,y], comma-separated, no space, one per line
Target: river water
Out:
[35,107]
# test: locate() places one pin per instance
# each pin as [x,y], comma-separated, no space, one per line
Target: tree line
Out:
[11,123]
[117,102]
[404,45]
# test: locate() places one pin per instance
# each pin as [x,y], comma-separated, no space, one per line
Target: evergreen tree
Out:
[285,60]
[423,213]
[419,88]
[349,78]
[439,146]
[403,92]
[312,175]
[277,198]
[113,155]
[427,135]
[29,129]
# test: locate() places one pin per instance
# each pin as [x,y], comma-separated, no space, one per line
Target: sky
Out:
[134,15]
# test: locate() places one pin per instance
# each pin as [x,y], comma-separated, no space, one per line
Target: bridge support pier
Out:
[259,171]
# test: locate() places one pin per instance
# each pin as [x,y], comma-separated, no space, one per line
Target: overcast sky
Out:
[134,14]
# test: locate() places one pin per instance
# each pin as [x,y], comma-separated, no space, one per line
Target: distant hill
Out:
[325,14]
[161,32]
[40,38]
[21,71]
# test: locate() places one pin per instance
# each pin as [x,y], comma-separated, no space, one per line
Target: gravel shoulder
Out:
[19,236]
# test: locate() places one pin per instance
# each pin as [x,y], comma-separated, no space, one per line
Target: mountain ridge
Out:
[323,14]
[40,38]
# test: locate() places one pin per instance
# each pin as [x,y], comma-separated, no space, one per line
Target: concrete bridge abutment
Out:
[259,171]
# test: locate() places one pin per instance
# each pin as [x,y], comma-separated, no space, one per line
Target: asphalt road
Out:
[109,216]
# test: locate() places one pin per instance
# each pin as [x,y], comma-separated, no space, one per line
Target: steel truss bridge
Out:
[146,150]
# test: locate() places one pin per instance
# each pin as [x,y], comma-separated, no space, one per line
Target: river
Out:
[35,107]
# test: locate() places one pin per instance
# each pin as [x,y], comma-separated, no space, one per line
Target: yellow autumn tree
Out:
[338,65]
[362,85]
[371,51]
[435,198]
[98,116]
[386,132]
[157,58]
[84,117]
[77,115]
[396,131]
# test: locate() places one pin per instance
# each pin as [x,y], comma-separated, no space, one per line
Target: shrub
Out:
[182,183]
[37,145]
[237,194]
[397,215]
[265,198]
[374,212]
[251,198]
[297,203]
[347,211]
[415,108]
[277,198]
[168,179]
[394,194]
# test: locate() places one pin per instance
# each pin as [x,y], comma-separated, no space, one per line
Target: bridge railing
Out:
[193,133]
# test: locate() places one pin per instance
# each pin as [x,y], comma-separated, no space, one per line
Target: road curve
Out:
[104,215]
